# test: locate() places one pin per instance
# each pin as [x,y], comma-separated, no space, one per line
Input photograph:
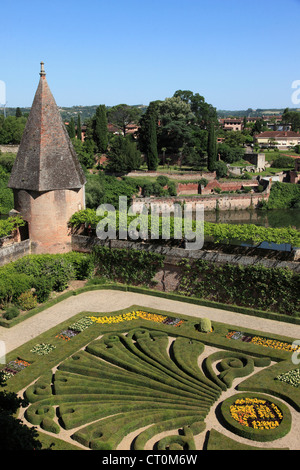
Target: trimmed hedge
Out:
[262,435]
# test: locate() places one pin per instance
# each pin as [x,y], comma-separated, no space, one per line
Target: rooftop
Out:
[46,159]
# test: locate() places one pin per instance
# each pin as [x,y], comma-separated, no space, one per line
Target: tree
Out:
[71,128]
[123,155]
[18,112]
[85,152]
[259,126]
[11,129]
[211,148]
[230,154]
[203,111]
[78,130]
[292,118]
[235,138]
[151,152]
[175,130]
[100,131]
[122,115]
[147,134]
[221,169]
[14,435]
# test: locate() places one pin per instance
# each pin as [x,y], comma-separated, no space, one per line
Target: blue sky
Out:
[238,54]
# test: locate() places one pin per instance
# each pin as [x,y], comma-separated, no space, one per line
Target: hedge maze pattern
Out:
[122,382]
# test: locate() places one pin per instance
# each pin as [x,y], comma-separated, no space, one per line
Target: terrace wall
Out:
[12,252]
[210,201]
[168,277]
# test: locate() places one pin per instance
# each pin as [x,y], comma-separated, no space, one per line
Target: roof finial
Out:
[42,72]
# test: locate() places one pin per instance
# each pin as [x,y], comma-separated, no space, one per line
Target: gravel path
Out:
[112,300]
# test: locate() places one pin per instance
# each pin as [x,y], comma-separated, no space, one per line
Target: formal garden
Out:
[151,379]
[146,378]
[137,378]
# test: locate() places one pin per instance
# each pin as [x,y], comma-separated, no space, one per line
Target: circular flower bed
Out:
[256,416]
[256,413]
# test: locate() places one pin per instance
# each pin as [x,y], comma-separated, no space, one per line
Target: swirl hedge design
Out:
[120,383]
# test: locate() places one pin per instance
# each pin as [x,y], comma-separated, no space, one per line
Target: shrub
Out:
[43,288]
[283,162]
[128,266]
[172,189]
[12,285]
[162,180]
[221,169]
[205,325]
[27,300]
[82,263]
[283,195]
[11,312]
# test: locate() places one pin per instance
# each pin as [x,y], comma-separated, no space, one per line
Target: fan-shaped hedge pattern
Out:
[121,383]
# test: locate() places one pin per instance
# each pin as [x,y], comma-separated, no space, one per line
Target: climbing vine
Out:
[273,289]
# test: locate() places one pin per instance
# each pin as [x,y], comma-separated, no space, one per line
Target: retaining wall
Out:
[210,202]
[167,278]
[14,251]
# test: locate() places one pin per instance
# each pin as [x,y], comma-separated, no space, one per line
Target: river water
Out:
[272,218]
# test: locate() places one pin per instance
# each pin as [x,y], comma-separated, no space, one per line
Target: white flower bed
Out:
[42,349]
[292,377]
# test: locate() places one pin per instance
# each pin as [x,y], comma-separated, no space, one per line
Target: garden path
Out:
[111,300]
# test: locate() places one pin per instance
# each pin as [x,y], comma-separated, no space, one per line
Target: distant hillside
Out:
[222,113]
[89,111]
[85,112]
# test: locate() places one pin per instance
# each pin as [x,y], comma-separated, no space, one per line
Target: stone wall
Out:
[210,201]
[167,278]
[9,148]
[178,176]
[14,251]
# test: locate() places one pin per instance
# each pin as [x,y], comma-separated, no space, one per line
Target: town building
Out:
[279,139]
[47,180]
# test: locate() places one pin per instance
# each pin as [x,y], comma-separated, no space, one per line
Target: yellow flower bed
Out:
[135,315]
[261,341]
[275,344]
[256,413]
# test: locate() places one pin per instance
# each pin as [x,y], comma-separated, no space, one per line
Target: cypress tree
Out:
[18,112]
[78,132]
[211,148]
[151,152]
[71,128]
[100,131]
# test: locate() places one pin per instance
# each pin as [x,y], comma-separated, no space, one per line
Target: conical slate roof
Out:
[46,159]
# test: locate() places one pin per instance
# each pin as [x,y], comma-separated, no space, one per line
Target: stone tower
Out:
[47,179]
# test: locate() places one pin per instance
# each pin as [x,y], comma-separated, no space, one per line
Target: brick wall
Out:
[187,188]
[228,186]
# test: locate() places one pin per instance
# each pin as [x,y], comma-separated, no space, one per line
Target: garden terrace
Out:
[99,378]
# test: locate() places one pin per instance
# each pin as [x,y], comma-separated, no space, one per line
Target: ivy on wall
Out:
[273,289]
